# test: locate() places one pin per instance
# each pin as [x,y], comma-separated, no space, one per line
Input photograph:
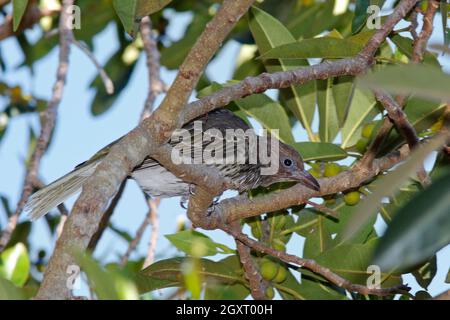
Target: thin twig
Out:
[137,238]
[154,223]
[48,121]
[419,47]
[156,85]
[404,127]
[324,209]
[106,217]
[312,265]
[256,282]
[107,82]
[31,16]
[443,296]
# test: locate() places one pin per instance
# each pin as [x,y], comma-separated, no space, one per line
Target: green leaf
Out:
[308,289]
[19,7]
[397,201]
[388,184]
[169,273]
[269,33]
[360,17]
[320,151]
[108,285]
[118,69]
[147,7]
[269,113]
[324,47]
[350,261]
[444,16]
[8,291]
[405,45]
[172,57]
[15,264]
[227,291]
[419,229]
[131,11]
[423,81]
[422,114]
[343,91]
[425,273]
[315,19]
[328,119]
[362,109]
[190,241]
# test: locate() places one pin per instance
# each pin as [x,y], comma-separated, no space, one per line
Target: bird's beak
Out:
[305,178]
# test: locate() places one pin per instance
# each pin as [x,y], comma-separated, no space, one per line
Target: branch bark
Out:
[257,284]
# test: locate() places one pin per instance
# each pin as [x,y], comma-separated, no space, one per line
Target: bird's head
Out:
[291,168]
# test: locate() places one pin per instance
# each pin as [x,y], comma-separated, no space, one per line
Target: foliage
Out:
[340,116]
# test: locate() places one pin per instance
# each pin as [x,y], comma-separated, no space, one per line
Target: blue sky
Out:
[79,135]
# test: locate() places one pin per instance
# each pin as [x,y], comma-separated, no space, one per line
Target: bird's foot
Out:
[213,205]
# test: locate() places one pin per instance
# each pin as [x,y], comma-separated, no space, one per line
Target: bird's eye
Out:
[287,162]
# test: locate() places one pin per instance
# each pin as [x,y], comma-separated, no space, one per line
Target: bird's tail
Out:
[58,191]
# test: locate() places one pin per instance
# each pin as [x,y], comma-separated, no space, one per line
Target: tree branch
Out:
[146,138]
[419,47]
[210,40]
[312,265]
[404,127]
[156,85]
[48,119]
[257,284]
[31,16]
[242,207]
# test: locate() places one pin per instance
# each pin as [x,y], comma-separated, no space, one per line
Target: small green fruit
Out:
[352,198]
[280,221]
[279,245]
[281,275]
[330,199]
[270,293]
[361,145]
[269,270]
[315,173]
[367,130]
[256,231]
[331,169]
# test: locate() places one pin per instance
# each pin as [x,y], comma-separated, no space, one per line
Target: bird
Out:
[157,181]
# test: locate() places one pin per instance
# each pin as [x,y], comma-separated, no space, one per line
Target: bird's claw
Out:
[192,189]
[184,201]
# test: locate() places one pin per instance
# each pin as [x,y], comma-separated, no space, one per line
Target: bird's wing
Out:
[220,119]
